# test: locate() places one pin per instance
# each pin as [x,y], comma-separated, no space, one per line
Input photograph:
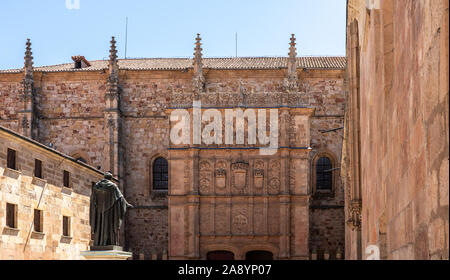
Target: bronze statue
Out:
[107,211]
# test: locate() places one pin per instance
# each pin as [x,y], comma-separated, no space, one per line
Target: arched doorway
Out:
[220,256]
[259,256]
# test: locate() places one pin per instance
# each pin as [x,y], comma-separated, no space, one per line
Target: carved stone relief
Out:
[240,221]
[274,177]
[258,177]
[239,177]
[205,182]
[221,179]
[258,180]
[220,175]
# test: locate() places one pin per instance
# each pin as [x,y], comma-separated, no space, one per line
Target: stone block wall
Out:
[400,84]
[22,188]
[10,89]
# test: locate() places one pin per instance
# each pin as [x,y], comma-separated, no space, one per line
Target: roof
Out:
[235,63]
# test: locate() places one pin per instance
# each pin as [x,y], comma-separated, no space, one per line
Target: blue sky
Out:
[158,28]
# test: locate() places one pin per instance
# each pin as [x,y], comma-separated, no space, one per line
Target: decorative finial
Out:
[293,49]
[291,81]
[198,79]
[113,65]
[113,50]
[198,50]
[28,66]
[292,55]
[113,79]
[26,116]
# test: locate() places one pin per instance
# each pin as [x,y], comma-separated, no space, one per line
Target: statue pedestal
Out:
[101,253]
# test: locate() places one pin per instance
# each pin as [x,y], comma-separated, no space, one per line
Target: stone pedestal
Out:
[114,253]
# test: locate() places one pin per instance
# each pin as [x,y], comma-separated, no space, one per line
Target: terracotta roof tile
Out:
[209,63]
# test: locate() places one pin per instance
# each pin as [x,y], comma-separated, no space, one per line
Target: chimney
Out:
[80,62]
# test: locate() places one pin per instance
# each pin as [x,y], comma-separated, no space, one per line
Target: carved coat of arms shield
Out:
[240,178]
[259,179]
[240,175]
[221,179]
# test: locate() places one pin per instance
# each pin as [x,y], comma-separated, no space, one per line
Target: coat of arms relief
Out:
[239,177]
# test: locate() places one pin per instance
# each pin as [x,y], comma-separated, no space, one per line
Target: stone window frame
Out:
[14,218]
[157,192]
[40,227]
[323,193]
[66,180]
[69,226]
[38,170]
[12,155]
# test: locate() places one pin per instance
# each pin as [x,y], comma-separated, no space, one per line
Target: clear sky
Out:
[167,28]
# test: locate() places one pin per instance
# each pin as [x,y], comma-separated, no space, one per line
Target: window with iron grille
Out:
[38,220]
[38,168]
[11,160]
[66,226]
[66,179]
[324,175]
[160,174]
[11,215]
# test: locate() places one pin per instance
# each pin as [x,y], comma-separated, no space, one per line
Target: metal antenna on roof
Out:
[126,36]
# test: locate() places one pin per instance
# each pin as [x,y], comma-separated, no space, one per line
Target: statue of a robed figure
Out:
[107,211]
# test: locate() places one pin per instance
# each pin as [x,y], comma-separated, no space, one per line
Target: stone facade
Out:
[20,187]
[233,198]
[395,153]
[115,115]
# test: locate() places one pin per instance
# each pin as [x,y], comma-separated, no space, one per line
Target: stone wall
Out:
[398,100]
[10,89]
[47,194]
[71,114]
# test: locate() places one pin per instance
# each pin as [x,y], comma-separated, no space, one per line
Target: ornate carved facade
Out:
[235,197]
[115,115]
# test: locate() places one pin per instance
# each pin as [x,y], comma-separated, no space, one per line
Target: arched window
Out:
[324,174]
[160,174]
